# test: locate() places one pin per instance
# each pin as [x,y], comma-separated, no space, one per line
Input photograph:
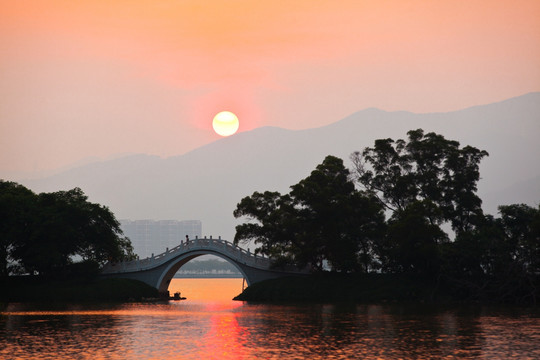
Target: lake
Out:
[208,325]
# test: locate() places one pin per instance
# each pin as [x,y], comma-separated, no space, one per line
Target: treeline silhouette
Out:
[56,235]
[405,207]
[208,266]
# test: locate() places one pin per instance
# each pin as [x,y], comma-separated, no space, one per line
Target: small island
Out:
[404,224]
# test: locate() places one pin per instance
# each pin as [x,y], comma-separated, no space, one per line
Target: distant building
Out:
[154,236]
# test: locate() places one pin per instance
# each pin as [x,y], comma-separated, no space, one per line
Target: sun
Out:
[225,123]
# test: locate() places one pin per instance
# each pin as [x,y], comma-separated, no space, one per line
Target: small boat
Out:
[177,296]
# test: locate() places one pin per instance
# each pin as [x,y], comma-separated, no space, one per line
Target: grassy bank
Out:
[362,288]
[34,289]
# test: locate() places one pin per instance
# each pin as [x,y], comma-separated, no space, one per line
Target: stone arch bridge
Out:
[157,271]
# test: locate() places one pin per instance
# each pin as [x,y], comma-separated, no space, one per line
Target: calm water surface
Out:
[210,326]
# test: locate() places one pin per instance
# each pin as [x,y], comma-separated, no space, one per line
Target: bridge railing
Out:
[223,247]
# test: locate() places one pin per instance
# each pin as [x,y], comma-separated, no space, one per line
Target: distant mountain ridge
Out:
[208,182]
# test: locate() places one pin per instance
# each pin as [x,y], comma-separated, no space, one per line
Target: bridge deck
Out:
[223,247]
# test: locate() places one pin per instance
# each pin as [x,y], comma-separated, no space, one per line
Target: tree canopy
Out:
[50,233]
[323,219]
[334,219]
[425,168]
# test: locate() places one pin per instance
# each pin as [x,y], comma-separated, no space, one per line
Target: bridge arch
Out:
[168,273]
[157,271]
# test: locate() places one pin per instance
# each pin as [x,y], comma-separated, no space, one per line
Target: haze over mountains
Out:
[207,183]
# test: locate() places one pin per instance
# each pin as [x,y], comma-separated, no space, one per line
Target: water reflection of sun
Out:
[225,339]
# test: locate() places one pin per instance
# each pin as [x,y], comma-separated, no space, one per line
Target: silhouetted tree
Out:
[425,167]
[339,222]
[323,218]
[499,259]
[413,240]
[44,233]
[423,183]
[271,225]
[17,209]
[521,226]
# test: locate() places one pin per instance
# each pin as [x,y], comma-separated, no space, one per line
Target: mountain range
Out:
[206,183]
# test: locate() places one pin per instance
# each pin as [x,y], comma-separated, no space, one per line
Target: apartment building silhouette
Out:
[154,236]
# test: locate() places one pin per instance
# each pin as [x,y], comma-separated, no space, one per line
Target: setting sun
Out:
[225,123]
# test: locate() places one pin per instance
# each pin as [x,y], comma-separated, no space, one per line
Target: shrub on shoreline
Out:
[35,289]
[372,288]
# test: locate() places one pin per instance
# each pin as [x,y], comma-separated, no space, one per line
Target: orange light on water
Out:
[225,338]
[218,290]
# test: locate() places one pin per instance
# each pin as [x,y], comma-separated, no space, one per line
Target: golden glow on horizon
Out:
[225,123]
[218,291]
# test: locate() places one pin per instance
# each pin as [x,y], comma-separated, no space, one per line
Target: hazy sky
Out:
[85,79]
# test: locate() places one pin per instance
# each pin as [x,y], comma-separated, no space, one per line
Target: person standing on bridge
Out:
[187,239]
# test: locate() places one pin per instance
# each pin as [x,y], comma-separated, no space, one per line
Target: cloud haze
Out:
[91,79]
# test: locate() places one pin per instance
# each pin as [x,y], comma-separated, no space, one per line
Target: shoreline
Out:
[209,276]
[35,289]
[372,289]
[315,288]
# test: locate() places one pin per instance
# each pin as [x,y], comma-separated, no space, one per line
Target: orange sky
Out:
[82,79]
